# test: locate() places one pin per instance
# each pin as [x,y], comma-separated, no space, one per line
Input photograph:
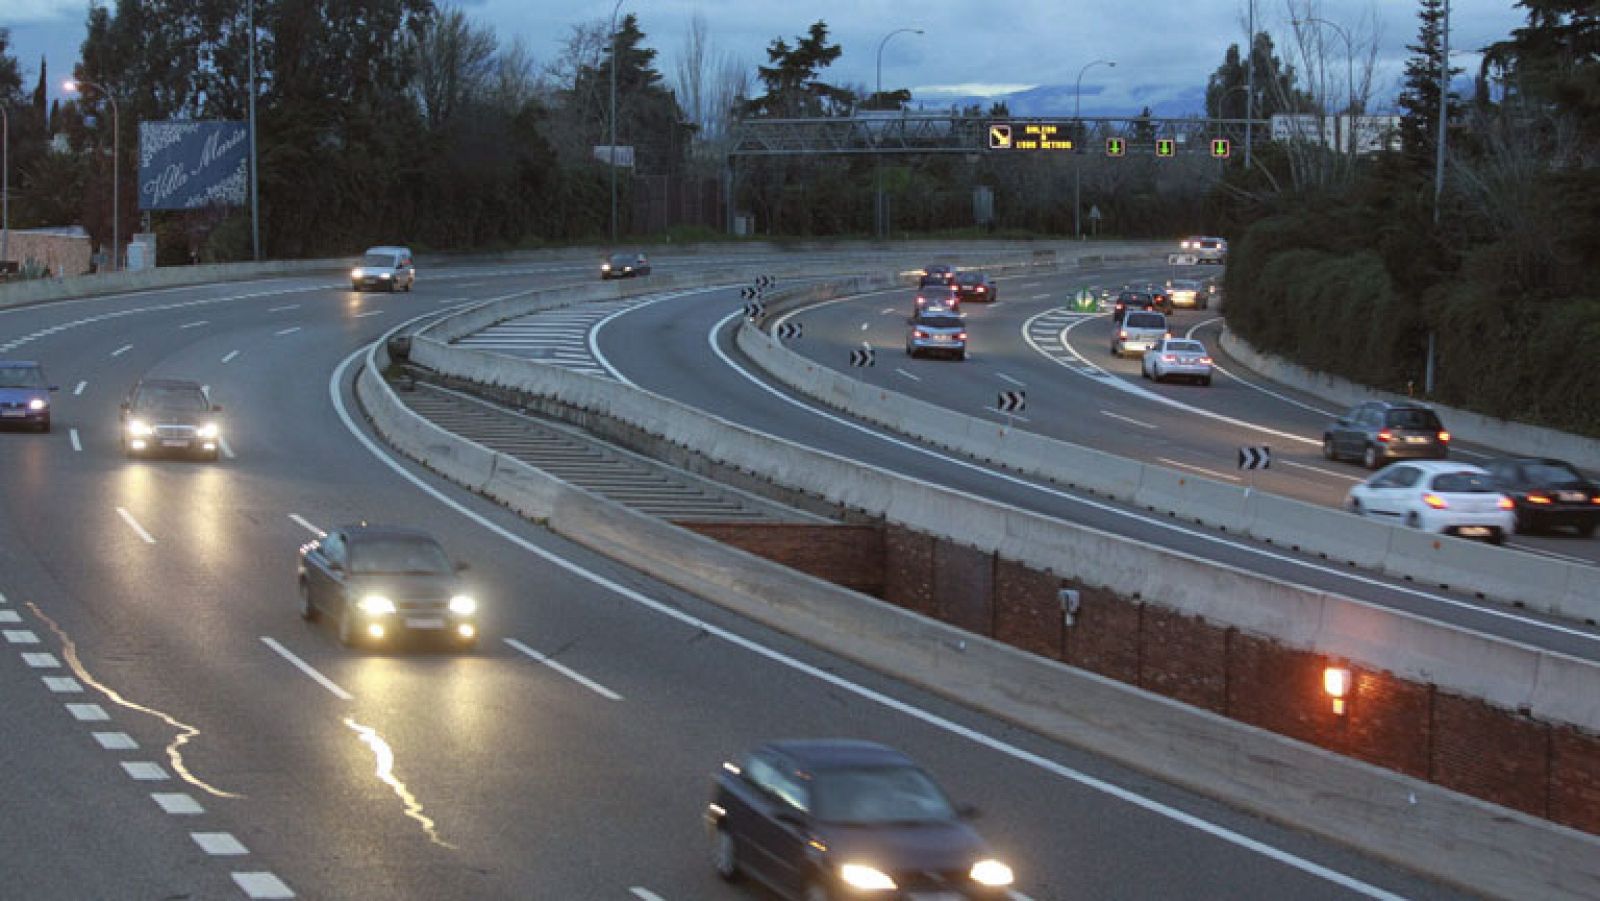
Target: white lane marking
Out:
[1127,419]
[79,390]
[134,524]
[1041,297]
[206,390]
[914,378]
[1210,472]
[10,616]
[1530,549]
[308,669]
[178,803]
[262,886]
[306,525]
[292,306]
[287,331]
[229,356]
[1018,382]
[1337,574]
[979,738]
[1249,384]
[116,741]
[886,311]
[64,685]
[644,894]
[1326,472]
[122,350]
[226,450]
[219,844]
[1008,415]
[20,636]
[453,300]
[145,771]
[594,331]
[77,445]
[575,676]
[193,324]
[1030,284]
[369,313]
[88,713]
[41,661]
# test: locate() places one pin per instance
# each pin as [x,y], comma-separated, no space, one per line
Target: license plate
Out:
[424,623]
[13,414]
[1474,531]
[1416,439]
[174,442]
[1570,496]
[935,896]
[941,337]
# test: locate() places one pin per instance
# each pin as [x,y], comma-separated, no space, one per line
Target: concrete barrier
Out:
[1539,583]
[1334,534]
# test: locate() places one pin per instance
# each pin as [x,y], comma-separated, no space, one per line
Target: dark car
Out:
[936,330]
[946,272]
[1548,494]
[1133,300]
[384,582]
[976,286]
[932,281]
[1376,432]
[170,416]
[835,818]
[624,265]
[24,395]
[935,296]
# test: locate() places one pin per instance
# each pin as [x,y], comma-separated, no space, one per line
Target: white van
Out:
[384,268]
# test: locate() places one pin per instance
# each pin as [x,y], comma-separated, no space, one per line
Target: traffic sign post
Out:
[865,356]
[1252,459]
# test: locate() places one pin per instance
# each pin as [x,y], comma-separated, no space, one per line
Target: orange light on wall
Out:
[1336,682]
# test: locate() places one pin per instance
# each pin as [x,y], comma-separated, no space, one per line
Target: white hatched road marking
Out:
[134,524]
[41,661]
[79,390]
[570,673]
[116,741]
[20,636]
[302,523]
[229,356]
[63,685]
[88,713]
[77,444]
[1201,469]
[1127,419]
[10,616]
[261,886]
[308,669]
[145,771]
[178,803]
[219,844]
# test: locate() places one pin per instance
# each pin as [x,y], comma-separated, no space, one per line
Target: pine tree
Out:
[1419,95]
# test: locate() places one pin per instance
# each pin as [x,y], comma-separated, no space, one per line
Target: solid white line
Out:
[1017,382]
[134,524]
[306,668]
[1326,472]
[594,333]
[122,350]
[145,771]
[369,313]
[219,844]
[1008,415]
[79,390]
[226,450]
[292,306]
[178,803]
[228,358]
[1210,472]
[644,894]
[306,525]
[979,738]
[115,741]
[76,444]
[287,331]
[1128,419]
[193,324]
[575,676]
[914,378]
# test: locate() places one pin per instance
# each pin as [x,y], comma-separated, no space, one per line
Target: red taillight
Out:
[1595,499]
[1444,437]
[1122,333]
[921,300]
[1434,501]
[1205,361]
[1538,499]
[1385,436]
[962,336]
[1168,336]
[1506,504]
[919,333]
[1168,358]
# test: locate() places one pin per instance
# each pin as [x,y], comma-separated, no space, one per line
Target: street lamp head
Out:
[70,86]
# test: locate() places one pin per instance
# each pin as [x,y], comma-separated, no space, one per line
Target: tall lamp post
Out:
[879,219]
[5,184]
[1077,96]
[1444,116]
[1350,69]
[255,175]
[611,152]
[1250,84]
[74,87]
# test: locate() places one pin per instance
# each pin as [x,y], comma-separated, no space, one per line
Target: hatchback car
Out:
[1177,358]
[384,269]
[24,395]
[935,296]
[1131,300]
[1548,494]
[385,582]
[1140,330]
[976,286]
[1376,432]
[942,270]
[835,818]
[1437,496]
[937,330]
[624,265]
[170,416]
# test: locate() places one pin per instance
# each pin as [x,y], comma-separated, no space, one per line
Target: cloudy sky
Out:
[1164,49]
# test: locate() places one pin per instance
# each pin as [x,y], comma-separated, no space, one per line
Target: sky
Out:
[968,49]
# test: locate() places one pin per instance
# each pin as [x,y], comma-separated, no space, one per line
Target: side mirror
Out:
[461,566]
[216,408]
[968,811]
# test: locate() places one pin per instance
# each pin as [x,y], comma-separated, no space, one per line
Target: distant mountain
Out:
[1056,101]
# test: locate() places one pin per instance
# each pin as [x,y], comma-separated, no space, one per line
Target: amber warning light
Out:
[1336,682]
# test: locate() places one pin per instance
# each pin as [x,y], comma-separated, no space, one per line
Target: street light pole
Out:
[1077,96]
[5,184]
[72,87]
[611,152]
[1444,115]
[1350,70]
[255,173]
[879,219]
[1250,85]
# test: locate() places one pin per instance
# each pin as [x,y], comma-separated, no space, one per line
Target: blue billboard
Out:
[187,164]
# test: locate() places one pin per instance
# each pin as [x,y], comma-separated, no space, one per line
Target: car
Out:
[942,270]
[937,330]
[818,819]
[624,265]
[1437,496]
[1160,294]
[1206,249]
[25,394]
[383,583]
[1376,432]
[1183,358]
[1548,494]
[945,296]
[1188,292]
[1131,300]
[170,415]
[976,285]
[386,268]
[1140,330]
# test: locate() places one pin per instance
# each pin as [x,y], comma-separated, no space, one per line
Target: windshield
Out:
[939,321]
[1412,419]
[170,398]
[1463,483]
[621,259]
[377,260]
[970,278]
[1552,474]
[398,555]
[879,795]
[1186,347]
[1185,286]
[1146,320]
[22,377]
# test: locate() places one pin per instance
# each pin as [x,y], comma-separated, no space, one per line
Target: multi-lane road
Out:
[172,728]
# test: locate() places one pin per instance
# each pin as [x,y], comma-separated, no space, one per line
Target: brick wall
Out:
[851,556]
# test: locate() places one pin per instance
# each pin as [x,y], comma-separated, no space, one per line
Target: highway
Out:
[174,729]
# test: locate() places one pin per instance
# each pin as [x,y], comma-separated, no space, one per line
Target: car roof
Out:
[360,532]
[1438,466]
[18,364]
[388,248]
[167,383]
[836,753]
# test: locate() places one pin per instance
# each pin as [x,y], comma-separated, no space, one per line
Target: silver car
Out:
[937,330]
[384,269]
[1188,292]
[1182,358]
[1139,331]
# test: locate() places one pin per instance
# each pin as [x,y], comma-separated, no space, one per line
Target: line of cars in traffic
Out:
[936,326]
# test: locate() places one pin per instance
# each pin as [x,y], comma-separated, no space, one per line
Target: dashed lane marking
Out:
[41,661]
[1326,472]
[308,669]
[79,390]
[262,886]
[178,803]
[116,741]
[133,524]
[219,844]
[570,673]
[229,356]
[1018,382]
[63,685]
[914,378]
[77,444]
[20,636]
[1127,419]
[10,616]
[1200,469]
[122,350]
[196,324]
[288,331]
[144,771]
[88,713]
[302,523]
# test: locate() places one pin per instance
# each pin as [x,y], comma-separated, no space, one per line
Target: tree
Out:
[1228,88]
[454,61]
[1419,92]
[793,88]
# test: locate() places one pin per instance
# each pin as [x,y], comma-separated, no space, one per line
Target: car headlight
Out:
[605,267]
[462,605]
[866,878]
[385,275]
[139,428]
[37,403]
[209,430]
[376,605]
[991,872]
[356,273]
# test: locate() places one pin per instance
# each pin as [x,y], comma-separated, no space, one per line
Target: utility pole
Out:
[1250,85]
[1444,113]
[255,175]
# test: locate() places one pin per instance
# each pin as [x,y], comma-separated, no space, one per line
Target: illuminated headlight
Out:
[376,605]
[209,430]
[991,872]
[139,428]
[357,273]
[461,605]
[866,878]
[385,275]
[605,267]
[37,404]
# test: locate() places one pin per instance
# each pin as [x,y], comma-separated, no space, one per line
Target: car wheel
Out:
[1354,506]
[1413,520]
[1328,453]
[1370,458]
[308,610]
[1586,531]
[1205,380]
[725,855]
[1497,537]
[347,628]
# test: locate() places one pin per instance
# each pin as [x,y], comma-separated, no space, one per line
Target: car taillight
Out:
[921,300]
[1505,504]
[1444,437]
[1168,336]
[1595,499]
[919,333]
[982,289]
[1122,333]
[1168,358]
[1206,361]
[1434,501]
[961,336]
[1538,499]
[1385,436]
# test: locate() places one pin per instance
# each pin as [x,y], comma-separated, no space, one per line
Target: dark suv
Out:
[1376,432]
[167,415]
[1548,493]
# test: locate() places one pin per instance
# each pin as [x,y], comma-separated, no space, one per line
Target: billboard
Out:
[188,164]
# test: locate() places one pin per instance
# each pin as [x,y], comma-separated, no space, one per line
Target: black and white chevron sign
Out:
[765,281]
[754,308]
[789,330]
[1012,401]
[749,292]
[1255,457]
[865,356]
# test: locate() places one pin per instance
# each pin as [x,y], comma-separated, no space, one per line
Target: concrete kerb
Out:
[1415,824]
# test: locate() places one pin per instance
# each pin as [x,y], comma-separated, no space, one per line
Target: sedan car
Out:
[929,296]
[976,286]
[942,270]
[1181,358]
[1206,249]
[385,582]
[835,818]
[624,265]
[170,416]
[1437,496]
[1188,292]
[1376,432]
[1132,300]
[937,330]
[1548,493]
[24,395]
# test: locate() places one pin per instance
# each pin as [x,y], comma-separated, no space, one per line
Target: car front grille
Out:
[175,431]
